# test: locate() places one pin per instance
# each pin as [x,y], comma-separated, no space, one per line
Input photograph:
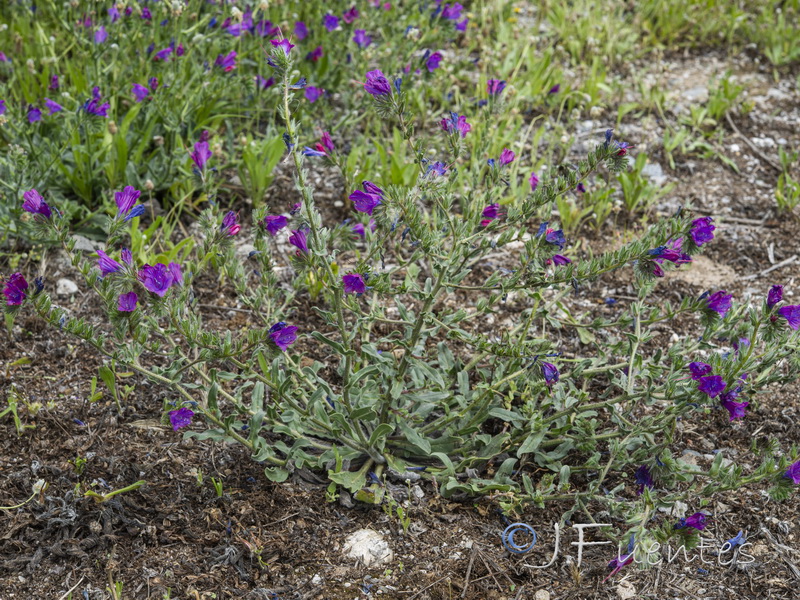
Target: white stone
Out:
[316,579]
[541,595]
[654,173]
[244,250]
[82,244]
[66,287]
[625,590]
[368,547]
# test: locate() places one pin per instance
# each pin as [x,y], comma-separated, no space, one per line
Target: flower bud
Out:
[149,185]
[112,127]
[158,140]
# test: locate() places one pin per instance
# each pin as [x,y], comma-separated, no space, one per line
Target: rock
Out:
[654,173]
[625,590]
[696,95]
[368,547]
[541,595]
[677,510]
[66,287]
[82,244]
[417,492]
[316,579]
[244,250]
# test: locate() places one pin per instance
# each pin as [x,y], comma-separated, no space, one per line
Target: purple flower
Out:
[699,370]
[360,230]
[432,61]
[775,296]
[791,314]
[274,223]
[793,473]
[53,107]
[361,38]
[495,87]
[580,188]
[146,14]
[127,256]
[201,154]
[555,237]
[696,521]
[181,418]
[436,168]
[152,83]
[456,123]
[364,201]
[491,212]
[643,478]
[711,385]
[266,29]
[550,373]
[14,290]
[462,25]
[34,114]
[354,283]
[127,302]
[735,409]
[113,13]
[507,157]
[140,93]
[702,230]
[101,35]
[2,107]
[157,278]
[330,21]
[285,44]
[555,89]
[35,204]
[126,199]
[377,84]
[350,15]
[560,260]
[534,181]
[315,54]
[619,562]
[313,93]
[719,302]
[299,240]
[94,107]
[106,264]
[452,12]
[663,253]
[263,84]
[371,188]
[227,62]
[300,30]
[177,276]
[230,224]
[163,54]
[282,335]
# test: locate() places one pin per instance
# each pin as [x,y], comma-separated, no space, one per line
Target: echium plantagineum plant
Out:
[417,377]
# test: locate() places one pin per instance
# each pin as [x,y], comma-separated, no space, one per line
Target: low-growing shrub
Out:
[429,334]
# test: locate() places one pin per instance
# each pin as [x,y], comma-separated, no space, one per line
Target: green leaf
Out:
[326,340]
[378,438]
[107,375]
[352,481]
[415,438]
[366,413]
[276,474]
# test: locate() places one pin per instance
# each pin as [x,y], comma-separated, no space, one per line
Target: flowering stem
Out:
[337,300]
